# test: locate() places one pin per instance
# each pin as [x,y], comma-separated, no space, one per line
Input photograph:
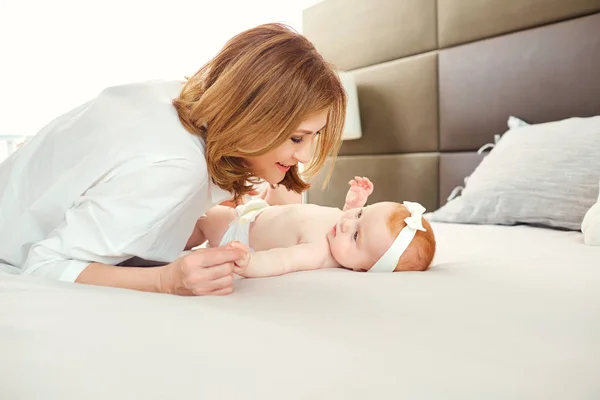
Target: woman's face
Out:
[273,165]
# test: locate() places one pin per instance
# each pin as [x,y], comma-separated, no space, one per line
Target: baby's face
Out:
[361,236]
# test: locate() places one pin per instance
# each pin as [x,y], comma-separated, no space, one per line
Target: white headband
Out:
[388,261]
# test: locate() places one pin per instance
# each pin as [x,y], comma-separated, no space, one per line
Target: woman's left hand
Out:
[202,272]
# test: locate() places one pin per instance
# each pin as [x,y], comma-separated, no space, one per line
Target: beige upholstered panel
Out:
[535,59]
[539,75]
[454,168]
[395,177]
[355,33]
[398,107]
[461,21]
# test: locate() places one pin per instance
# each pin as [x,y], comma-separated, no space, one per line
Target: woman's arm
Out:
[197,237]
[146,279]
[127,217]
[202,272]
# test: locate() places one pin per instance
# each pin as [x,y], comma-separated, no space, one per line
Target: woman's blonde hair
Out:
[251,97]
[419,254]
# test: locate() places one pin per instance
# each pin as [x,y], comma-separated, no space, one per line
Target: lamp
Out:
[352,128]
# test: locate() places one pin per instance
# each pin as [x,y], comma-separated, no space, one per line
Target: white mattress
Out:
[505,313]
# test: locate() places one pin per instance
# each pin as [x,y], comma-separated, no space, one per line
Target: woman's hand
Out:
[243,263]
[202,272]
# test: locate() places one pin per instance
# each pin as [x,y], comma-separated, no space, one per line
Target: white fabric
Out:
[503,313]
[514,122]
[591,225]
[239,229]
[389,260]
[116,178]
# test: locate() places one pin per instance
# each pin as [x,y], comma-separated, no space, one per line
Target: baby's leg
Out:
[214,225]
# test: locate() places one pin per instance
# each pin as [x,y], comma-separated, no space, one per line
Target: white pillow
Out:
[514,122]
[542,174]
[591,224]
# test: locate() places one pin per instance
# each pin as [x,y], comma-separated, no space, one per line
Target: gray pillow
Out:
[543,174]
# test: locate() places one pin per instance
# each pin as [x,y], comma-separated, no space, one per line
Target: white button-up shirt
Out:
[116,178]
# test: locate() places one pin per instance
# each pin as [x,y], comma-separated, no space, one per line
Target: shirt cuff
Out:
[63,270]
[72,270]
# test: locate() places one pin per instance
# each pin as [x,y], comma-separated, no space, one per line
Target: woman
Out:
[126,176]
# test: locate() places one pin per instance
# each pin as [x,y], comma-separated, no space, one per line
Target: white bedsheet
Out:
[505,313]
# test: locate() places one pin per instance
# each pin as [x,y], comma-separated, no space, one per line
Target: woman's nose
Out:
[303,154]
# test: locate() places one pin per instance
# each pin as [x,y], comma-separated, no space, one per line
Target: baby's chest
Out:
[273,233]
[285,231]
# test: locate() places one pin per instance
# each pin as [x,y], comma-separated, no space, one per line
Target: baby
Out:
[382,237]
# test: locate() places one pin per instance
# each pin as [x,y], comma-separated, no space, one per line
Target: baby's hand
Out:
[361,184]
[242,263]
[360,189]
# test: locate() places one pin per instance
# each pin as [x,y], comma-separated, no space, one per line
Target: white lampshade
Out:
[352,129]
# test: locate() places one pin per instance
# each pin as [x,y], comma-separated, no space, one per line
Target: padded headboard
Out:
[437,79]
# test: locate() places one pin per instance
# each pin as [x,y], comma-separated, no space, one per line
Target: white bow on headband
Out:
[414,223]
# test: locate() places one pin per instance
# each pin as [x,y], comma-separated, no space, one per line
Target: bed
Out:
[505,312]
[494,319]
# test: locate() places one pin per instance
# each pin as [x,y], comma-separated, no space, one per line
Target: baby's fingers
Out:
[366,183]
[238,245]
[360,180]
[241,264]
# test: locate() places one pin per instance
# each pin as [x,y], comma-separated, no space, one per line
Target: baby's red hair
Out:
[419,254]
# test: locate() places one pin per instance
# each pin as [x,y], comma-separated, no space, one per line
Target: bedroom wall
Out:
[426,72]
[57,54]
[66,51]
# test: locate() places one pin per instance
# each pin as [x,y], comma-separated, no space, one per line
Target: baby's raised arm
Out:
[359,192]
[280,261]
